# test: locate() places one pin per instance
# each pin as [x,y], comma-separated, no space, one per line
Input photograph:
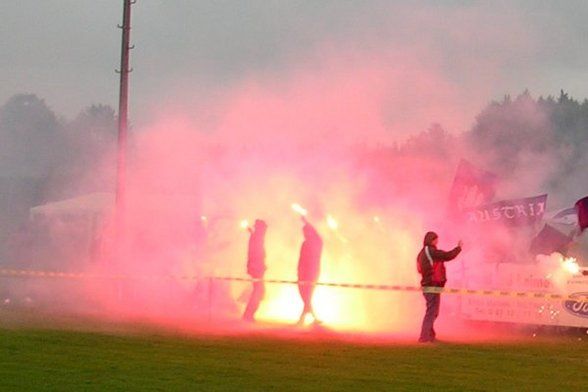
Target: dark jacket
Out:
[309,262]
[433,274]
[256,255]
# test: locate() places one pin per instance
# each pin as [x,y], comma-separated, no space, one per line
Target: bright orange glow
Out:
[365,258]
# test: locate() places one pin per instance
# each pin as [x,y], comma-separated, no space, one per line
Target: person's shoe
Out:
[426,340]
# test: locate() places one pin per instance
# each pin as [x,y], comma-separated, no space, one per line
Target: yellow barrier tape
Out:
[580,297]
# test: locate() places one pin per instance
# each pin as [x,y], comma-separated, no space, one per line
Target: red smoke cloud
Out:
[317,134]
[279,139]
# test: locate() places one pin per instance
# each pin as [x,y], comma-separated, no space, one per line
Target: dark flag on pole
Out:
[550,240]
[471,187]
[582,211]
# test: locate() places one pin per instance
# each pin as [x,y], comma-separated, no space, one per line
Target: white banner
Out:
[513,277]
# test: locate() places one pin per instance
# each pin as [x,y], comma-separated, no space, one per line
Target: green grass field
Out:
[40,359]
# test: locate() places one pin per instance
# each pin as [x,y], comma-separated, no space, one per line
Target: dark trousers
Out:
[254,300]
[433,304]
[306,291]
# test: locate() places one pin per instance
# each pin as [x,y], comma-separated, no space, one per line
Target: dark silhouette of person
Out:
[256,267]
[309,269]
[431,266]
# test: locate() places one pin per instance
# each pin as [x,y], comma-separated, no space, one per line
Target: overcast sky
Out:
[66,51]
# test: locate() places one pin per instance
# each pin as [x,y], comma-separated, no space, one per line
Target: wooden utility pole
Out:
[123,106]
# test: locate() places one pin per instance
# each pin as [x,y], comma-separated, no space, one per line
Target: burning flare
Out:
[570,265]
[244,224]
[299,209]
[332,223]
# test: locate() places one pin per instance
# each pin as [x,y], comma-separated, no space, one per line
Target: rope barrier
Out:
[579,297]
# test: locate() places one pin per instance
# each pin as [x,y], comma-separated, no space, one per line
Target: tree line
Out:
[56,152]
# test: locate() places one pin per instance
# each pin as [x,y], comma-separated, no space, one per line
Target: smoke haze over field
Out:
[359,111]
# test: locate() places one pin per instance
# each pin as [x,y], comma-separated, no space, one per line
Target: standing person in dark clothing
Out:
[256,267]
[309,265]
[431,266]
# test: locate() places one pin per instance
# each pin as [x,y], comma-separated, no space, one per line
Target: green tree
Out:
[32,141]
[92,139]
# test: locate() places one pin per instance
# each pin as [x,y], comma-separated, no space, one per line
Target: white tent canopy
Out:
[90,204]
[103,203]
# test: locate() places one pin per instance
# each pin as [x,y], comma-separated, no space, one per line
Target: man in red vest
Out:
[431,266]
